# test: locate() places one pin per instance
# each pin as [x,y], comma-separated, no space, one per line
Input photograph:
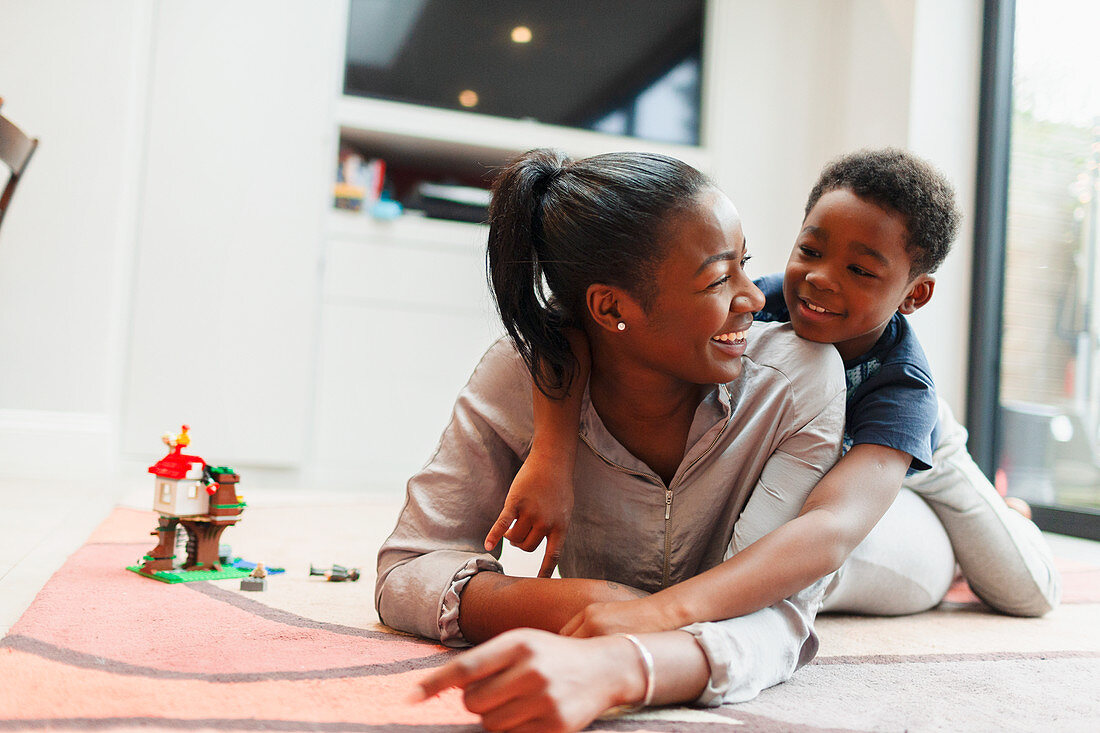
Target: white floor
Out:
[41,523]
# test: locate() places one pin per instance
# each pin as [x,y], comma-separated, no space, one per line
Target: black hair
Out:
[557,226]
[900,181]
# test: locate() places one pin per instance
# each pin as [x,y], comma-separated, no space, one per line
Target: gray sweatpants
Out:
[946,514]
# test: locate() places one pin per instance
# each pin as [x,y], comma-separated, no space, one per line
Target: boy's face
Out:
[849,273]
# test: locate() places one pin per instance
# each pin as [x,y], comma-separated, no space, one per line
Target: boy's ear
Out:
[920,292]
[609,306]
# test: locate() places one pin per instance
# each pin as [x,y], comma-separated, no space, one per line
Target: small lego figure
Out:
[256,580]
[336,574]
[177,442]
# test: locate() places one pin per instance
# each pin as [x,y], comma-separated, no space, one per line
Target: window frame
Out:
[988,273]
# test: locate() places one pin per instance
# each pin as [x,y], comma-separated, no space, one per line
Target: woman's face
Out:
[695,327]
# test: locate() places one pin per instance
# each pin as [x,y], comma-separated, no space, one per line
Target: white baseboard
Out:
[47,444]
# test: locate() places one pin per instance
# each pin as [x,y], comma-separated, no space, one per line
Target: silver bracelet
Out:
[647,670]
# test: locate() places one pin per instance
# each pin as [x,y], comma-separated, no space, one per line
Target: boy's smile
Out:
[849,272]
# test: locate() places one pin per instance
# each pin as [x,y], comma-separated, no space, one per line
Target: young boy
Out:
[877,225]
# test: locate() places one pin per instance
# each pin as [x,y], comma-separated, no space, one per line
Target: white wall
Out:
[792,83]
[71,74]
[943,123]
[796,83]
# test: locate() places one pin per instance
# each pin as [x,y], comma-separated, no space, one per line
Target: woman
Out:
[693,440]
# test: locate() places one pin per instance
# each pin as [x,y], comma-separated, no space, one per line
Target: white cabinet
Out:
[405,317]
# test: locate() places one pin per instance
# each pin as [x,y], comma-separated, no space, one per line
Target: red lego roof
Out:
[175,465]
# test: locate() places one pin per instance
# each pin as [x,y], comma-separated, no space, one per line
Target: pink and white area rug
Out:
[104,649]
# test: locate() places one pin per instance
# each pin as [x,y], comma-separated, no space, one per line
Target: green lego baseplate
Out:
[228,572]
[188,576]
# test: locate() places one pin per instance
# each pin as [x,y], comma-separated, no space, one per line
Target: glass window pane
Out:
[1050,363]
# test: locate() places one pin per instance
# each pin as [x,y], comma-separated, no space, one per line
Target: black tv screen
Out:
[626,67]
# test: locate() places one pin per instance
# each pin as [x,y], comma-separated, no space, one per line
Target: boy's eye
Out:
[808,251]
[861,272]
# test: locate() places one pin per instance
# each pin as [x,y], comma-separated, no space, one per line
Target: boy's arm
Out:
[839,512]
[540,499]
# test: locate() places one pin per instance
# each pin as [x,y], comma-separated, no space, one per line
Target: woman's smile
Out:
[733,346]
[732,342]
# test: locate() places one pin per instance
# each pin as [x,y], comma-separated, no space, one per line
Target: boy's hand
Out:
[539,505]
[627,617]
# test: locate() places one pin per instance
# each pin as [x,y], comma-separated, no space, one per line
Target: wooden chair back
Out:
[16,149]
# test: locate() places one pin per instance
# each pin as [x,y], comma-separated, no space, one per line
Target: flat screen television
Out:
[625,67]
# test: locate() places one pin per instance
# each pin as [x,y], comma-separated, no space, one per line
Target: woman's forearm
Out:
[680,669]
[493,603]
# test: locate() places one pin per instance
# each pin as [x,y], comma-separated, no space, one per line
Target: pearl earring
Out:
[622,326]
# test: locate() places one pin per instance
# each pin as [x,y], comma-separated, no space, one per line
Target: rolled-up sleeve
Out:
[453,501]
[751,653]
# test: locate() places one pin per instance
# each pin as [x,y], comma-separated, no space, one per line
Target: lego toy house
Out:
[201,498]
[180,486]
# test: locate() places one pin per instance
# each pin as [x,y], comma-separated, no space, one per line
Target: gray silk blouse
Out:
[756,448]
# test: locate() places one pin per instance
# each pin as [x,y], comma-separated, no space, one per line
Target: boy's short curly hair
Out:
[900,181]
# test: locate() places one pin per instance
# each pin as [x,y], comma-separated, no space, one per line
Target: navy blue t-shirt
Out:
[891,396]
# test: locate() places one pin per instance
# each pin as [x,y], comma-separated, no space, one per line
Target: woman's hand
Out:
[528,680]
[636,616]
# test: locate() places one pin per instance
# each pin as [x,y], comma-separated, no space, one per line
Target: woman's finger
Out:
[504,521]
[498,689]
[468,667]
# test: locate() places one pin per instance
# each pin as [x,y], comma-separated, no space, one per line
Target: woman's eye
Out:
[719,282]
[745,261]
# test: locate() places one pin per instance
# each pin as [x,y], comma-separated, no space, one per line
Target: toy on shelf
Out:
[336,574]
[200,498]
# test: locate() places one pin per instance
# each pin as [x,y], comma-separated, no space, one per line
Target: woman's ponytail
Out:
[515,267]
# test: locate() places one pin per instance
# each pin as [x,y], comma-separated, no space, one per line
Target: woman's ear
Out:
[920,292]
[609,306]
